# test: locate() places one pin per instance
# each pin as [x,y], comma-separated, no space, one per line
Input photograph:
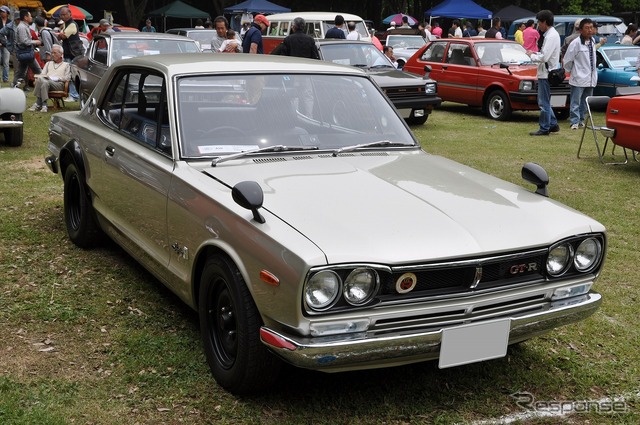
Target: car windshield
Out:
[363,55]
[405,42]
[622,58]
[221,115]
[203,37]
[493,53]
[129,48]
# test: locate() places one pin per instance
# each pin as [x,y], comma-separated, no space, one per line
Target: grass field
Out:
[89,337]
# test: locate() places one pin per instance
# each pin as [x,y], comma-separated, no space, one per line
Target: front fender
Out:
[12,100]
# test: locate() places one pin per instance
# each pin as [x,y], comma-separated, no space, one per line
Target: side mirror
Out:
[427,71]
[249,195]
[533,173]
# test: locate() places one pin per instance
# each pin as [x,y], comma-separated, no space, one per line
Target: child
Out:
[231,44]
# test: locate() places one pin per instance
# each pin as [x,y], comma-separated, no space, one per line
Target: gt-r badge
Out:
[406,283]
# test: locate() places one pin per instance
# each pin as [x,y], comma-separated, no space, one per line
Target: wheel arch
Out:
[71,153]
[490,88]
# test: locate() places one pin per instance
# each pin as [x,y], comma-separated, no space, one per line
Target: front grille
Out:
[404,92]
[465,276]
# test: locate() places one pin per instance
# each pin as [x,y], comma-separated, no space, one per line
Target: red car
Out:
[494,74]
[622,117]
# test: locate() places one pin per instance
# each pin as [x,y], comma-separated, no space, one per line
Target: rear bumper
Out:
[365,350]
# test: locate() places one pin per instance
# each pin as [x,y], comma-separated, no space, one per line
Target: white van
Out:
[317,24]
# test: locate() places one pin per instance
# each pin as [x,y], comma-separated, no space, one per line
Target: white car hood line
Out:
[401,208]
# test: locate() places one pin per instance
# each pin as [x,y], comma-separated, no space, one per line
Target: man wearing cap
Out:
[5,12]
[105,26]
[252,42]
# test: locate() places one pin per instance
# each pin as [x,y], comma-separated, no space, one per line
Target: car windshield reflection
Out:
[494,53]
[224,115]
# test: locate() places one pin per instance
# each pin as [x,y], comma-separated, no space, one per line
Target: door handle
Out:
[110,150]
[613,111]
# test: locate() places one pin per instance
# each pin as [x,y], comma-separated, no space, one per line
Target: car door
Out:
[460,73]
[96,65]
[138,164]
[434,57]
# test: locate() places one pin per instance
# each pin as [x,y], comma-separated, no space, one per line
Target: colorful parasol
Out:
[397,18]
[76,12]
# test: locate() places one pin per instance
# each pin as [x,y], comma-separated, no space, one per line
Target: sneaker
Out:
[69,99]
[35,107]
[44,108]
[574,126]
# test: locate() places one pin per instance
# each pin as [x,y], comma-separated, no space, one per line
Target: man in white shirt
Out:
[547,58]
[353,33]
[580,62]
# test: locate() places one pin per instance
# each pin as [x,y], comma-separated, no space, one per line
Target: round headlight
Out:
[360,286]
[322,290]
[526,85]
[559,259]
[587,254]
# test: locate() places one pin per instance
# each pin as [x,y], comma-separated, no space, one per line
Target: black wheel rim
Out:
[222,325]
[74,211]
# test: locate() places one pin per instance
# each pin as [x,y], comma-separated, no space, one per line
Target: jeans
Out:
[547,117]
[579,103]
[4,62]
[73,92]
[20,69]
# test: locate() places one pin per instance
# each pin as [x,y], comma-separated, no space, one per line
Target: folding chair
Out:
[600,102]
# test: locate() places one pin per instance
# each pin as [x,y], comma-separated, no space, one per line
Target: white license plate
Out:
[558,101]
[474,343]
[405,113]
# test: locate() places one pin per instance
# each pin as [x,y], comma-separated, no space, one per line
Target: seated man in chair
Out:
[54,75]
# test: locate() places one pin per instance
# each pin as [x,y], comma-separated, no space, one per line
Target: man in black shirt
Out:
[298,43]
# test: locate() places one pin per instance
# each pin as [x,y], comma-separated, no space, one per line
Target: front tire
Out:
[14,136]
[79,215]
[230,329]
[497,106]
[417,120]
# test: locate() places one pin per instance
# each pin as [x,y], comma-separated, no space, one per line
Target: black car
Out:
[413,97]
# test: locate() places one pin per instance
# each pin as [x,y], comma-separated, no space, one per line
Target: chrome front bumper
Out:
[366,350]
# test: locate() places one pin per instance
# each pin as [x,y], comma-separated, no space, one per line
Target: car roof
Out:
[190,29]
[200,63]
[313,16]
[340,41]
[130,35]
[618,46]
[573,18]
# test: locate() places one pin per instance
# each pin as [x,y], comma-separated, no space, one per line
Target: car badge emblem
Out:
[406,283]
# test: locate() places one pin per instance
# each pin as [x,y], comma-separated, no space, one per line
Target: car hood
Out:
[522,71]
[402,208]
[391,77]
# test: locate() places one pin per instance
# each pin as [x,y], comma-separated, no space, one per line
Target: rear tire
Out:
[230,329]
[79,215]
[14,136]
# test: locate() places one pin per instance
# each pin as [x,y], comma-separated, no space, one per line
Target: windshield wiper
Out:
[277,148]
[367,145]
[381,66]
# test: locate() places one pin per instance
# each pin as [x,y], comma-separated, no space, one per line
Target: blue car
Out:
[616,63]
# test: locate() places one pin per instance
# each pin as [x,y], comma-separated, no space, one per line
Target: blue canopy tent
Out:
[459,9]
[256,6]
[241,12]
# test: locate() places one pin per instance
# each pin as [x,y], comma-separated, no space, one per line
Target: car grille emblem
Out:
[406,283]
[523,268]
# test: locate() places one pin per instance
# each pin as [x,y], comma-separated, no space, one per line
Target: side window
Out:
[313,29]
[434,53]
[455,55]
[137,107]
[273,28]
[284,29]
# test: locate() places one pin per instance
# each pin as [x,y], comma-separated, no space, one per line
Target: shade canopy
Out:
[179,9]
[256,6]
[511,13]
[459,9]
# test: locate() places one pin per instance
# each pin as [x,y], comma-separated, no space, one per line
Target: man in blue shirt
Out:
[252,42]
[337,31]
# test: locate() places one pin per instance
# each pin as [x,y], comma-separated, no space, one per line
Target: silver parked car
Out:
[106,48]
[288,203]
[12,105]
